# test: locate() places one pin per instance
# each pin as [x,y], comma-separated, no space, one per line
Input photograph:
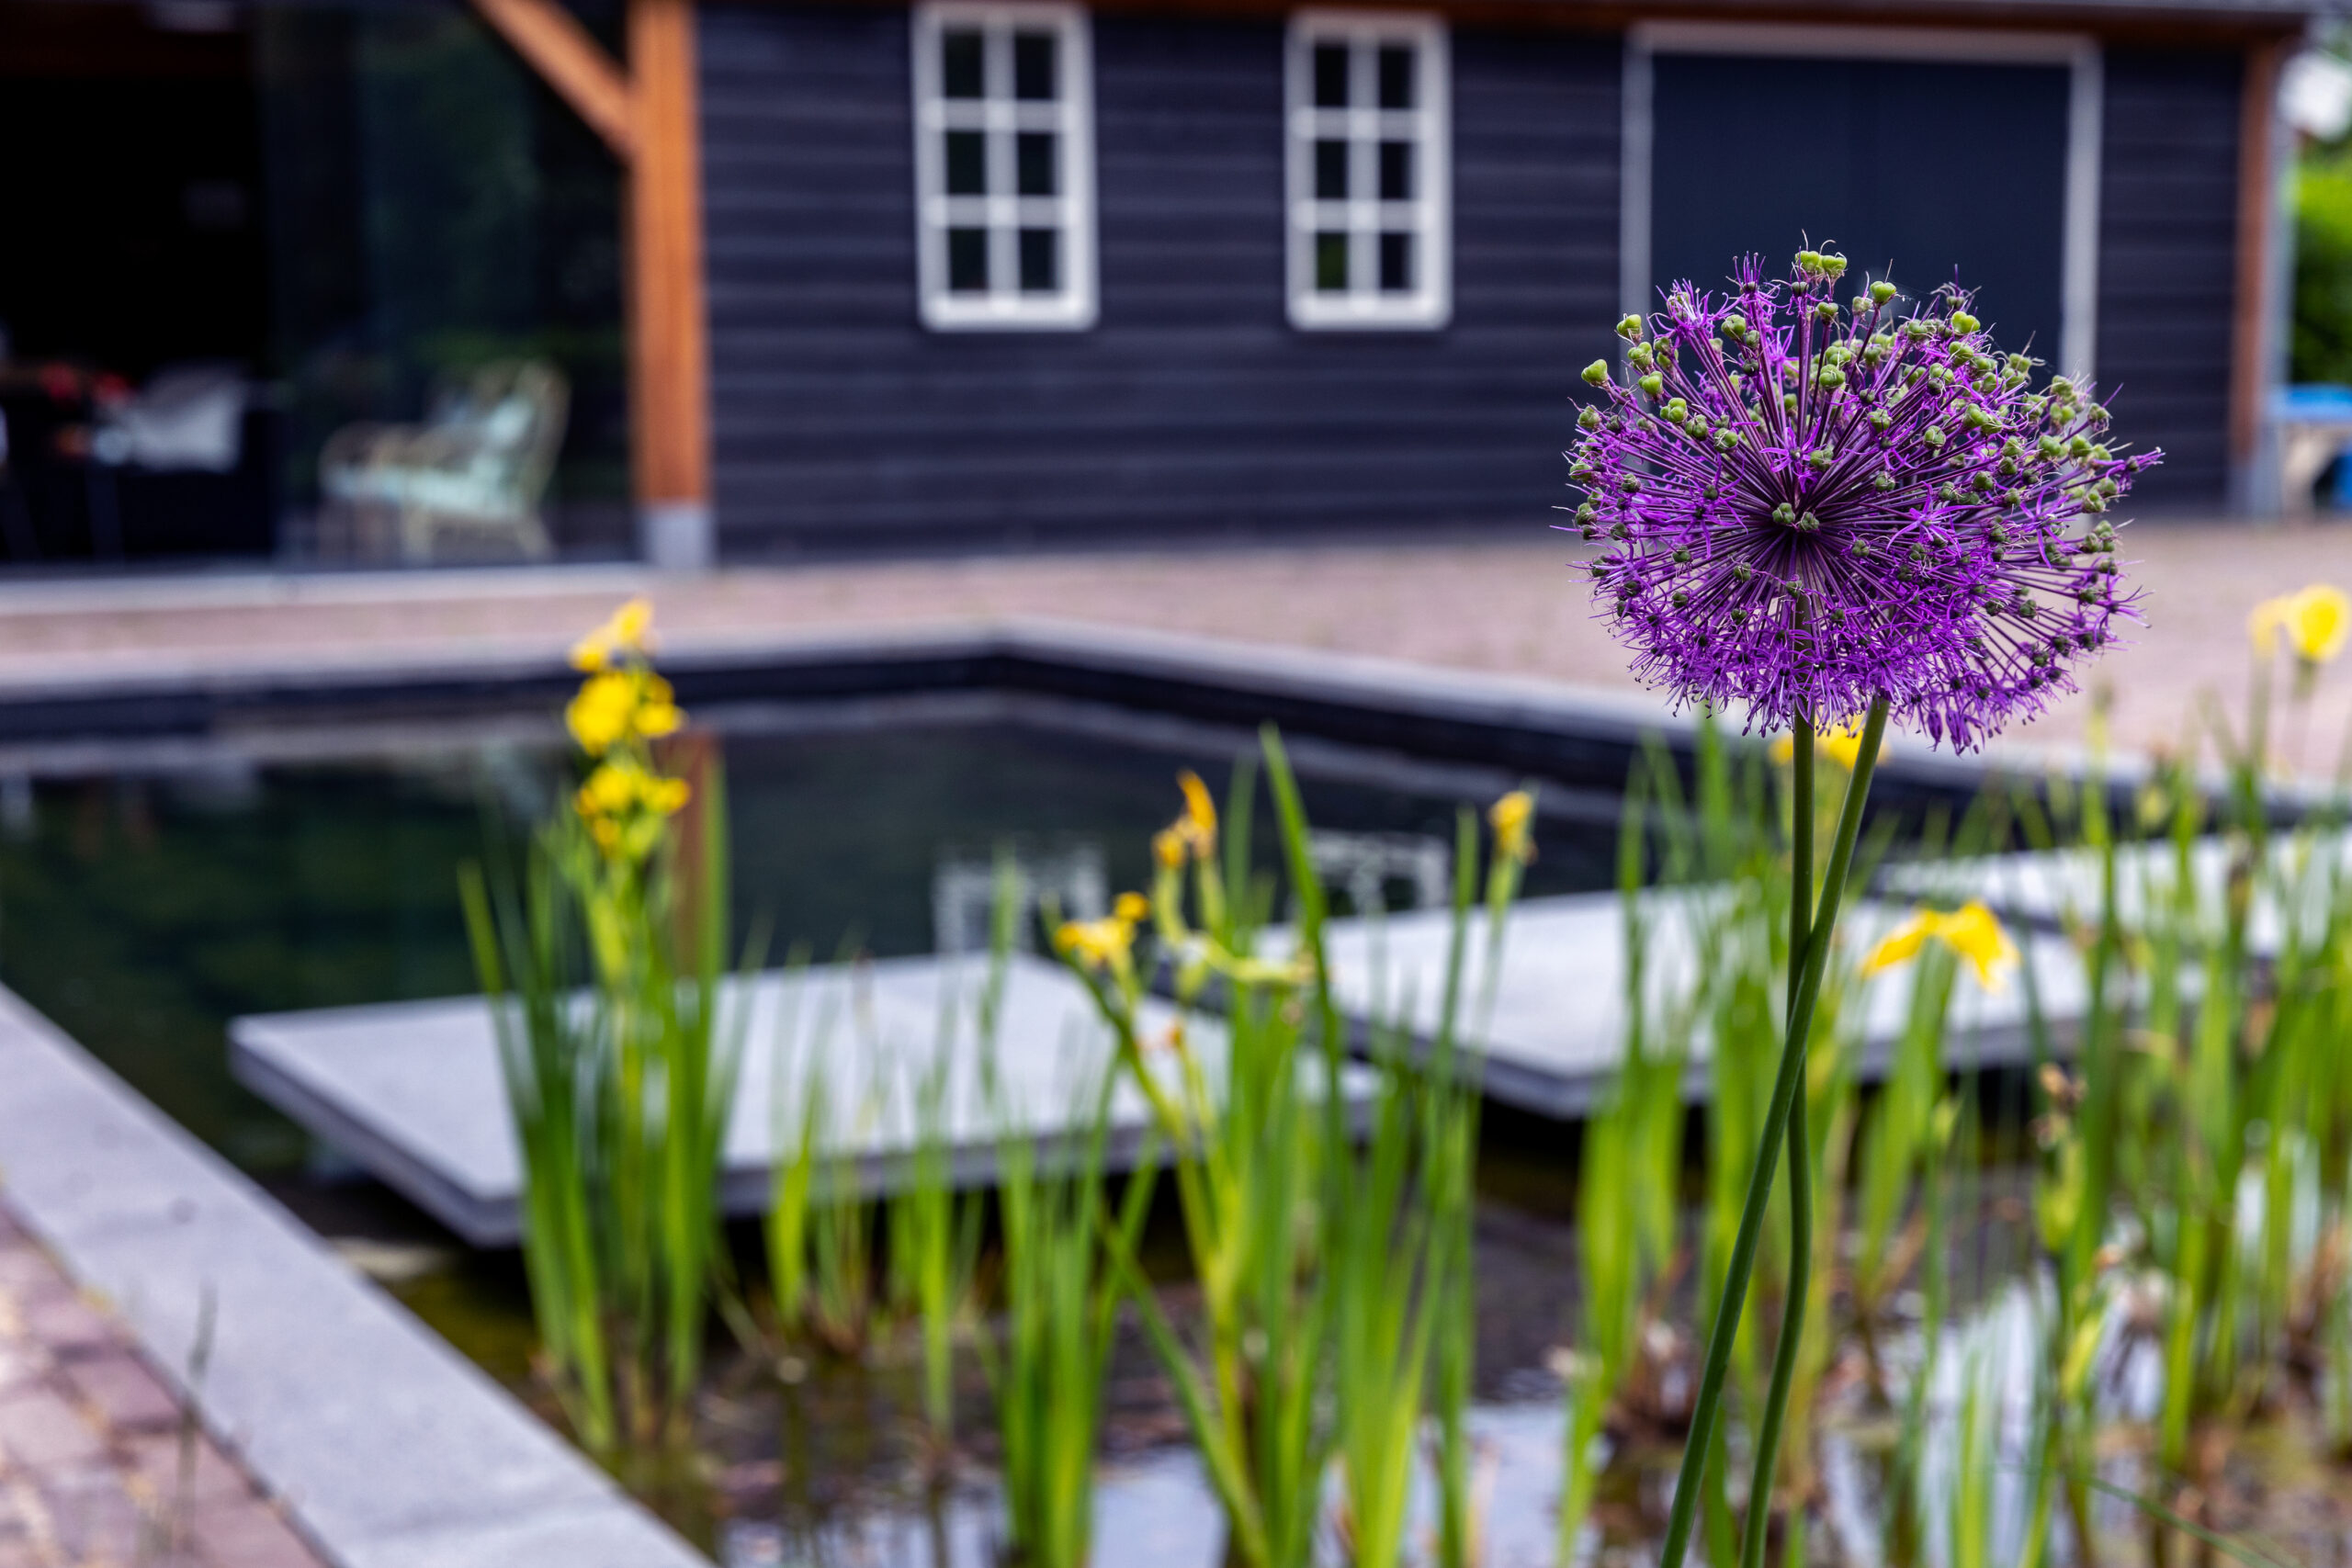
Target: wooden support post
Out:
[646,115]
[2251,348]
[669,351]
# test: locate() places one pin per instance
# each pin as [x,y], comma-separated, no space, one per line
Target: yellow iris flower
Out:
[1107,943]
[1513,819]
[2314,623]
[599,716]
[614,789]
[618,706]
[1841,744]
[628,630]
[1971,930]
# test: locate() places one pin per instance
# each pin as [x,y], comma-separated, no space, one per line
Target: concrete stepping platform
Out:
[1554,1032]
[2053,888]
[412,1090]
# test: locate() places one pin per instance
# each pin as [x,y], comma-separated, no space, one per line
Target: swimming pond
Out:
[142,907]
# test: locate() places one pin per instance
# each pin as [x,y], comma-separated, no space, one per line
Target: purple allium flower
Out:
[1808,504]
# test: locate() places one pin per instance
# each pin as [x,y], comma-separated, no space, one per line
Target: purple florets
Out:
[1807,505]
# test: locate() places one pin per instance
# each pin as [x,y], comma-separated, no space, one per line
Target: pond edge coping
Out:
[386,1446]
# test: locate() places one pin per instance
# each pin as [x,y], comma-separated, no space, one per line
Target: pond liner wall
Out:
[1513,725]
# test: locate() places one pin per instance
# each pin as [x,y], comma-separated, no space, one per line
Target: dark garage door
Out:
[1908,168]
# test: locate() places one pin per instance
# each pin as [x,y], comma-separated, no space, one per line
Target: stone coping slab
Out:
[413,1090]
[2050,888]
[1557,1028]
[386,1448]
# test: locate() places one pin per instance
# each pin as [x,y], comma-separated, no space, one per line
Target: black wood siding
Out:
[2168,264]
[1193,407]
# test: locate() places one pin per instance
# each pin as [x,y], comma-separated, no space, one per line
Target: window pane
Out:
[967,261]
[967,163]
[1331,264]
[1034,163]
[1330,75]
[1040,260]
[1033,66]
[1396,171]
[1396,75]
[1330,171]
[960,76]
[1396,264]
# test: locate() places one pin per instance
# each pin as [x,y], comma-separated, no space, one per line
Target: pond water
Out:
[146,904]
[144,907]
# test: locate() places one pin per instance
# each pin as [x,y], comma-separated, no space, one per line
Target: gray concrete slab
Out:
[1554,1031]
[2058,886]
[388,1449]
[412,1090]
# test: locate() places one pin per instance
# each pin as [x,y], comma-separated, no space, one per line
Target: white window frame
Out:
[1428,215]
[1003,307]
[2079,53]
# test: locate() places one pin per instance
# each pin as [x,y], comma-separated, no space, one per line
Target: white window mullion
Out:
[997,215]
[1371,294]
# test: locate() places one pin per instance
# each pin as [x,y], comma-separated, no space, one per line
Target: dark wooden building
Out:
[969,273]
[1235,269]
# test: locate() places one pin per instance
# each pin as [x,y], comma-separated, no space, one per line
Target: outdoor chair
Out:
[2315,425]
[478,466]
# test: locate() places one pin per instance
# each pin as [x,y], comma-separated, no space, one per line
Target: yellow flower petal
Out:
[599,716]
[2318,622]
[632,626]
[2263,624]
[1902,945]
[1974,933]
[1200,811]
[591,653]
[1130,907]
[1168,848]
[1513,818]
[1842,745]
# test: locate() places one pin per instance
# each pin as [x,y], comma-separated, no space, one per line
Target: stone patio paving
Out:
[1486,604]
[98,1468]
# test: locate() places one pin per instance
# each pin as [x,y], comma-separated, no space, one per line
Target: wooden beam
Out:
[669,331]
[648,115]
[551,41]
[2250,348]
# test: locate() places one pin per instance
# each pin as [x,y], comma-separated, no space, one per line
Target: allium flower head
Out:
[1808,504]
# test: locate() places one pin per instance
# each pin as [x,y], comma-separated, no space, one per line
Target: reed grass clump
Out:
[1334,1281]
[602,955]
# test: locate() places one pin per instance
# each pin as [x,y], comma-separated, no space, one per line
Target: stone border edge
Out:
[385,1446]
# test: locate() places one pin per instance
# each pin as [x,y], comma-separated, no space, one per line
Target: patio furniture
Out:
[2314,429]
[478,466]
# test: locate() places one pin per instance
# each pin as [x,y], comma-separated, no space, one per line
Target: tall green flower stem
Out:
[1807,965]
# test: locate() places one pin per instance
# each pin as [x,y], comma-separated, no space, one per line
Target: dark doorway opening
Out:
[1915,170]
[134,289]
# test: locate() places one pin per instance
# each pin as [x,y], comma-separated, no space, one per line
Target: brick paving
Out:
[1506,604]
[99,1468]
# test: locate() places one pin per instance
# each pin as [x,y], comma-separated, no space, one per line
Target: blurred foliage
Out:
[2321,347]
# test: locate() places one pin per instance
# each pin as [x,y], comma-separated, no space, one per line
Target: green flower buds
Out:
[1882,292]
[1629,329]
[1596,373]
[1651,383]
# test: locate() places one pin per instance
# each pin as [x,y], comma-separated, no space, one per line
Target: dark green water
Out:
[143,909]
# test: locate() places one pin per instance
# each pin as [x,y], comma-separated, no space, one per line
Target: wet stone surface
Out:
[100,1467]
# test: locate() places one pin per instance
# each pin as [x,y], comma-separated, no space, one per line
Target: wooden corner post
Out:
[2255,330]
[646,113]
